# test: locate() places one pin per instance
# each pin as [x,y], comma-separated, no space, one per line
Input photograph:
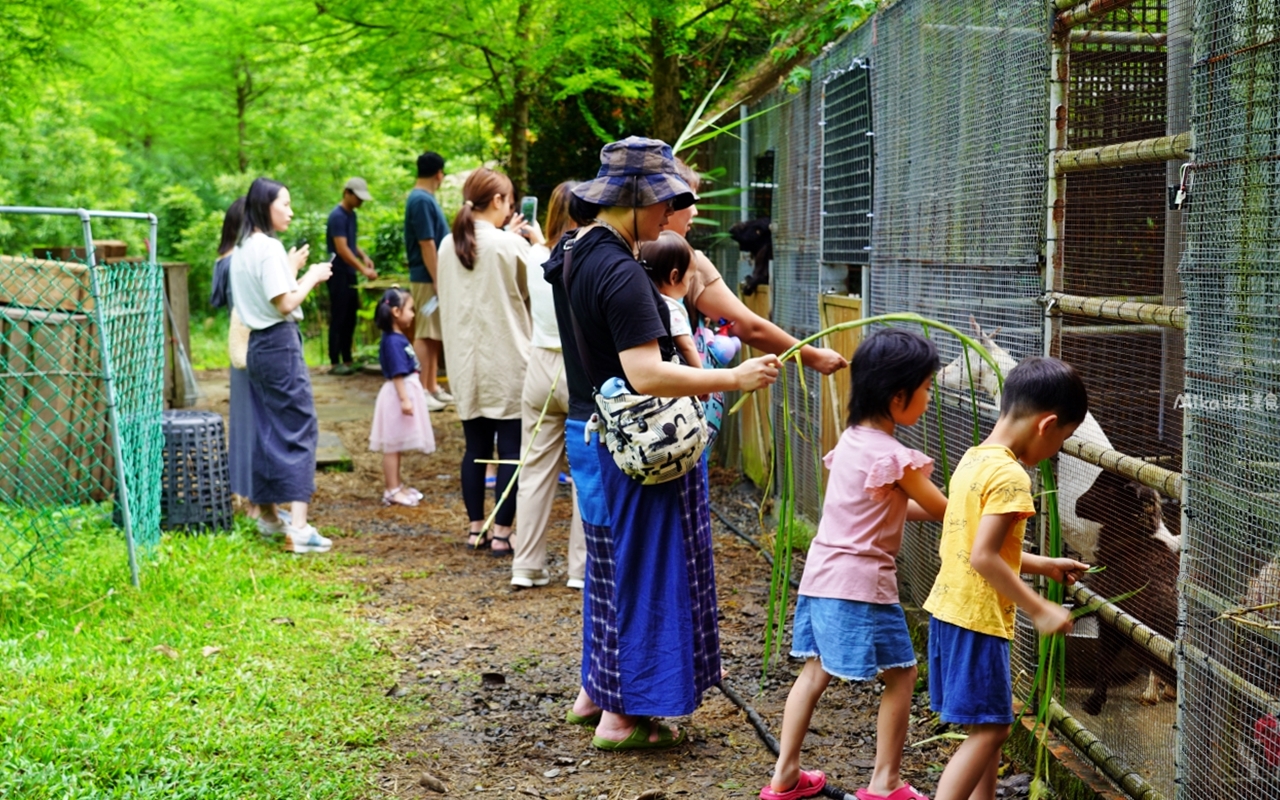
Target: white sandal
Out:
[389,497]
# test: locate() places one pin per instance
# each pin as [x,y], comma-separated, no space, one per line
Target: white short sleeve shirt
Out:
[679,317]
[260,271]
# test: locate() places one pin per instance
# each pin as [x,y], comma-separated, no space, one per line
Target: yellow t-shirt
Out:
[988,480]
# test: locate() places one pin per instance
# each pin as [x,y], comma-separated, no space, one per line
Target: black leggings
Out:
[479,433]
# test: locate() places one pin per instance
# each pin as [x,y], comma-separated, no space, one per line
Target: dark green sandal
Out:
[639,739]
[589,721]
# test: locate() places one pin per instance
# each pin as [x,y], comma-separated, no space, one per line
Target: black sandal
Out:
[481,544]
[501,553]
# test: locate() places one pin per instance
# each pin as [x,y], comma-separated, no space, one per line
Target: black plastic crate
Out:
[196,493]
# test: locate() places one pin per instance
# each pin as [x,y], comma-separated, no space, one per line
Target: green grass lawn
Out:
[111,692]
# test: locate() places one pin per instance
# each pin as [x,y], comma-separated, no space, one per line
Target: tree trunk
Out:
[519,167]
[664,79]
[521,98]
[244,92]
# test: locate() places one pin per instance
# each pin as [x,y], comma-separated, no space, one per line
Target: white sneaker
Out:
[276,528]
[306,540]
[575,583]
[442,396]
[432,403]
[529,578]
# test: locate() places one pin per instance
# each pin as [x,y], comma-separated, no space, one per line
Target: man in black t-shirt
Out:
[347,258]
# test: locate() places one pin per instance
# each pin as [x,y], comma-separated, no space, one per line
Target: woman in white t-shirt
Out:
[268,297]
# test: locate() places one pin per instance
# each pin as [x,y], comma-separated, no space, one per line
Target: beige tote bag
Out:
[238,341]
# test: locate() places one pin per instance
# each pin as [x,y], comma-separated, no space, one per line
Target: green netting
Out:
[68,332]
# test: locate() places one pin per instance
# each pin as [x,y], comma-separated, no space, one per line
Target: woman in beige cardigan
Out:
[482,278]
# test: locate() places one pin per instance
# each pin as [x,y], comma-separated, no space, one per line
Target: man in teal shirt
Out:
[424,229]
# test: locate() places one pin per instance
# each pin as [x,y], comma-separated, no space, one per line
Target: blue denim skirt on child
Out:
[852,640]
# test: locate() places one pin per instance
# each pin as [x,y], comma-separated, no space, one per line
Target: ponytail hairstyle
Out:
[231,224]
[257,207]
[890,362]
[478,193]
[392,299]
[581,211]
[560,214]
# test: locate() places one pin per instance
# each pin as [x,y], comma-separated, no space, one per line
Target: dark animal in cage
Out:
[1132,547]
[755,237]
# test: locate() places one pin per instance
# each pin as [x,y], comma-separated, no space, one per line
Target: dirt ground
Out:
[490,669]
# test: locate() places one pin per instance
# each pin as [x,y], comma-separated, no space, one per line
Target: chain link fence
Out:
[81,381]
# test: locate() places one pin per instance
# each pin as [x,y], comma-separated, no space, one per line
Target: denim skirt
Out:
[852,640]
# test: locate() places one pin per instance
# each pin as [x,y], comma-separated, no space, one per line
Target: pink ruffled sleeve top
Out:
[860,534]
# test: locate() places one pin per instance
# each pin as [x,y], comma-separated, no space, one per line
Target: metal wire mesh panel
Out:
[959,99]
[1121,240]
[848,163]
[1231,563]
[132,303]
[959,96]
[55,434]
[794,283]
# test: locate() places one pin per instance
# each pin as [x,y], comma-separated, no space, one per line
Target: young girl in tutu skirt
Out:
[400,418]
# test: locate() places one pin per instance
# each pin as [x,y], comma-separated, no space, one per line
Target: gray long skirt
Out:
[241,434]
[284,448]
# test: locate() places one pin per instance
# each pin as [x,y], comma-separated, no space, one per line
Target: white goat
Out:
[1075,477]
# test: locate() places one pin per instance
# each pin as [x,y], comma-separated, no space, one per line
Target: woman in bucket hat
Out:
[650,639]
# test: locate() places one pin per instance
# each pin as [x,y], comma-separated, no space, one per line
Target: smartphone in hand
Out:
[529,208]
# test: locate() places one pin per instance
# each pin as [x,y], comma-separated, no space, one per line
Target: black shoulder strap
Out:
[583,355]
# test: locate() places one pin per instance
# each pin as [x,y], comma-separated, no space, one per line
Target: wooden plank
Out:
[833,310]
[44,283]
[757,439]
[50,378]
[175,286]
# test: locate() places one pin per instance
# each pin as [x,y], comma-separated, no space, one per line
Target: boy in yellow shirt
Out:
[977,588]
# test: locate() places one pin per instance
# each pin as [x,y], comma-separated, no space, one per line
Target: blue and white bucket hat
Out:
[636,172]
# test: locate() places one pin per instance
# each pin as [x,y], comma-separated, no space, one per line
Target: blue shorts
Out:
[852,640]
[969,678]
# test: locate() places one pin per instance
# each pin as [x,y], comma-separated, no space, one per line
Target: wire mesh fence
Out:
[958,97]
[1230,649]
[957,175]
[68,331]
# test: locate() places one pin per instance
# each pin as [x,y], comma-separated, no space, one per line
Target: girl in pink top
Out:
[848,623]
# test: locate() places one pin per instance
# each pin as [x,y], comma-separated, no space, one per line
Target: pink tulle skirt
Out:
[395,431]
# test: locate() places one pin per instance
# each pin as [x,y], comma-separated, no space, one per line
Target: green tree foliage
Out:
[51,156]
[174,106]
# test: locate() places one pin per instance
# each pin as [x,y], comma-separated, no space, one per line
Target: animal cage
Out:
[1095,181]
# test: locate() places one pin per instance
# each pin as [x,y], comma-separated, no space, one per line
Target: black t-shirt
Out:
[617,307]
[341,223]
